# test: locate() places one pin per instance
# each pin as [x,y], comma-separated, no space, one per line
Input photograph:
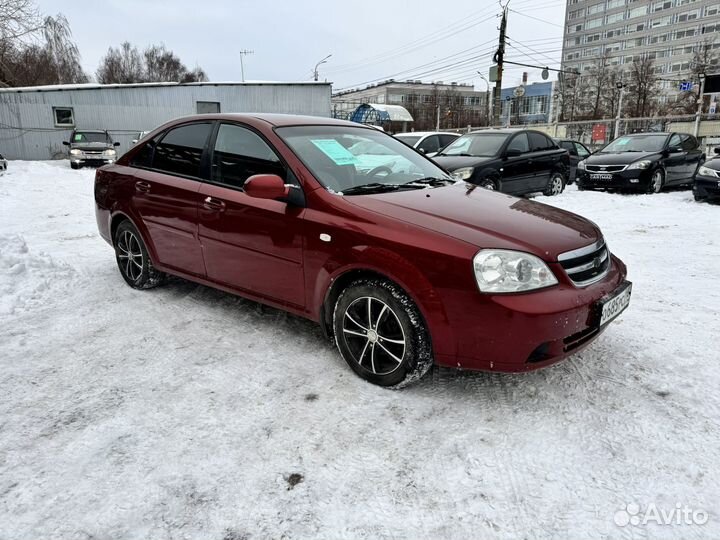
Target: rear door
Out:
[574,157]
[543,155]
[675,160]
[693,154]
[251,244]
[517,171]
[168,176]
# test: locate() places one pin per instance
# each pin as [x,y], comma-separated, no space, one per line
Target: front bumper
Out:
[524,332]
[92,159]
[635,179]
[706,187]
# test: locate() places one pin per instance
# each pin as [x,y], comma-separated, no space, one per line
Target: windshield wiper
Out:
[430,181]
[374,187]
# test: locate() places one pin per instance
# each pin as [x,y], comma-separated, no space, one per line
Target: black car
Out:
[3,165]
[508,160]
[645,162]
[577,150]
[707,179]
[91,147]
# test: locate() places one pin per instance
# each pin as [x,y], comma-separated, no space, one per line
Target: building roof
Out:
[96,86]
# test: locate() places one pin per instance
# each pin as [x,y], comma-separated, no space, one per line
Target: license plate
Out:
[601,177]
[616,304]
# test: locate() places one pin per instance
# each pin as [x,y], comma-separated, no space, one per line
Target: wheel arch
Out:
[117,217]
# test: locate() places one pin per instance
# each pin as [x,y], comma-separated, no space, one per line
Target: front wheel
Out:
[488,183]
[380,333]
[556,184]
[74,166]
[657,181]
[132,258]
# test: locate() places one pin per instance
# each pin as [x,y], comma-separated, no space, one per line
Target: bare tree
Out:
[611,96]
[598,84]
[642,87]
[197,74]
[62,51]
[18,18]
[122,65]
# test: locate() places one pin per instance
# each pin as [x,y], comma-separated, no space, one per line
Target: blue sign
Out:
[686,86]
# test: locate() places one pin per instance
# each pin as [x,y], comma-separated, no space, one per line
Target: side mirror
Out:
[266,186]
[116,144]
[421,150]
[675,149]
[134,142]
[66,143]
[717,150]
[513,152]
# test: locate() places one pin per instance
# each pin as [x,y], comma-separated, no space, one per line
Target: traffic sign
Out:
[686,86]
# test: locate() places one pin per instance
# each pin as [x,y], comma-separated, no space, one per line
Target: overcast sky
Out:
[401,40]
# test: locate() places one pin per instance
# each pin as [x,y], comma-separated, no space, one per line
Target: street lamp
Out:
[487,97]
[315,71]
[620,86]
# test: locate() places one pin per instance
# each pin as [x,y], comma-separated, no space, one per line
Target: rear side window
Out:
[539,142]
[239,154]
[570,147]
[430,144]
[519,142]
[180,151]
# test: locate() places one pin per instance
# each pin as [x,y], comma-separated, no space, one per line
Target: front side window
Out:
[350,160]
[674,141]
[520,143]
[239,154]
[430,144]
[476,144]
[64,116]
[582,151]
[570,147]
[410,140]
[180,151]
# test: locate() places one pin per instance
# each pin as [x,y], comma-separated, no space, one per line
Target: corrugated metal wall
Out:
[27,125]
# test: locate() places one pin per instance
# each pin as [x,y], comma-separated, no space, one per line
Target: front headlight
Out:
[75,152]
[581,165]
[644,164]
[707,171]
[505,271]
[109,153]
[463,174]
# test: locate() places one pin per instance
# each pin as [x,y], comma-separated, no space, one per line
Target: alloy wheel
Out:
[556,185]
[374,335]
[130,255]
[488,184]
[657,181]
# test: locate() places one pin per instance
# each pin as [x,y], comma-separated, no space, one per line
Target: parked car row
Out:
[403,266]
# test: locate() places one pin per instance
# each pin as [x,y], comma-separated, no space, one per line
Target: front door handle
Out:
[143,187]
[216,205]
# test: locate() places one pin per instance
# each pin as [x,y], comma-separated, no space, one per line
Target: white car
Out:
[3,165]
[427,142]
[139,136]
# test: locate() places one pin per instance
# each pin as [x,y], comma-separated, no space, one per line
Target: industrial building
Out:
[34,121]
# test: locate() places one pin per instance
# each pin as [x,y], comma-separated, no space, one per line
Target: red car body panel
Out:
[424,240]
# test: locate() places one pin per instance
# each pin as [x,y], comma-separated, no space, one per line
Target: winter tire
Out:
[132,258]
[380,333]
[555,185]
[488,183]
[75,166]
[657,182]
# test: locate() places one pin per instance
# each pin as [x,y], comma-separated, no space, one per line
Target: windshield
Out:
[476,144]
[345,158]
[410,140]
[90,137]
[636,143]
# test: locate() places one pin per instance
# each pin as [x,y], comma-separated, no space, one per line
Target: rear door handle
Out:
[142,186]
[216,205]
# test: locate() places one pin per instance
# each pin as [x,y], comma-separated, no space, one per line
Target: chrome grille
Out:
[587,264]
[605,168]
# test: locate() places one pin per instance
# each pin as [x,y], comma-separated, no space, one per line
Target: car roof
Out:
[507,131]
[665,133]
[424,133]
[90,130]
[274,119]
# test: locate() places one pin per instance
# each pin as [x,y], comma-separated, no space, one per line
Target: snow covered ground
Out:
[184,412]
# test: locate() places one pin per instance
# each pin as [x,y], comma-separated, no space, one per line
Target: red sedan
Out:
[345,225]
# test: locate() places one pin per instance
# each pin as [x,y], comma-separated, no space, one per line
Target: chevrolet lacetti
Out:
[345,225]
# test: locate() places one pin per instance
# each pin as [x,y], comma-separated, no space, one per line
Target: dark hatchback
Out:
[577,150]
[508,160]
[646,162]
[707,179]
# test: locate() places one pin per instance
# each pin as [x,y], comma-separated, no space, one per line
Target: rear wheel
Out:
[555,185]
[657,181]
[380,333]
[132,258]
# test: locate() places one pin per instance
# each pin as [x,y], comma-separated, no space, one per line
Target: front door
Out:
[168,176]
[249,244]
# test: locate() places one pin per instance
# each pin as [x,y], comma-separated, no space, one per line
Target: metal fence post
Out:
[700,104]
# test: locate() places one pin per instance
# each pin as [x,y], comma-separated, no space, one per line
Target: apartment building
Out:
[667,30]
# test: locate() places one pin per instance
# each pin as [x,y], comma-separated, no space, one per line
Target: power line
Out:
[537,18]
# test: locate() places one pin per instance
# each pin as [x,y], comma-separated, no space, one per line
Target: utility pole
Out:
[621,87]
[244,52]
[698,114]
[498,59]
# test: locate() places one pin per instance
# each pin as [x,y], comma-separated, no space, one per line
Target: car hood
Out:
[451,163]
[713,163]
[486,219]
[91,146]
[620,158]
